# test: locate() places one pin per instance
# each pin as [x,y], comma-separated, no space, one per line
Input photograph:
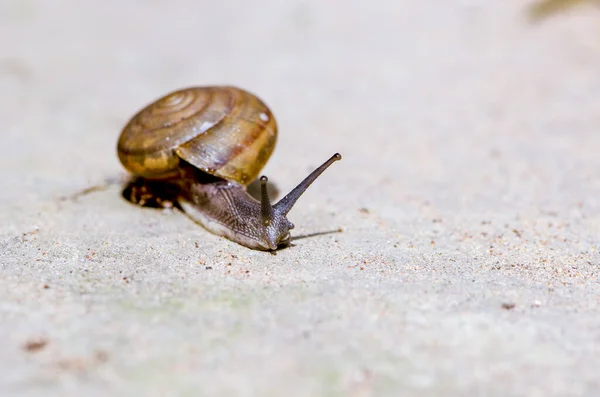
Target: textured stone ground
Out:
[468,197]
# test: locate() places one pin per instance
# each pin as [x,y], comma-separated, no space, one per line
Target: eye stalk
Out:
[266,209]
[273,217]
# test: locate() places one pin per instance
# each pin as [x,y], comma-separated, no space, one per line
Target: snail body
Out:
[211,142]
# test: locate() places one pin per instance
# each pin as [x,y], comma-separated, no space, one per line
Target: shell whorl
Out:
[224,131]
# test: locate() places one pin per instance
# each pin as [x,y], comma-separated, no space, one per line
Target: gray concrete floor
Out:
[468,197]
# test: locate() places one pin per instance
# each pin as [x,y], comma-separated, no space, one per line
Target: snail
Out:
[211,143]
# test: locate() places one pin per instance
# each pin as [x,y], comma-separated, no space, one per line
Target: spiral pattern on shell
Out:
[224,131]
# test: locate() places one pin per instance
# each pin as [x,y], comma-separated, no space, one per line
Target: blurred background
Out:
[409,93]
[469,179]
[412,93]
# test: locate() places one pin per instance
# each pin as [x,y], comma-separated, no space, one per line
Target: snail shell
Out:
[224,131]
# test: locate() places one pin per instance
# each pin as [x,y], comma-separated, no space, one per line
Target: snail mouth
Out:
[284,242]
[271,241]
[272,245]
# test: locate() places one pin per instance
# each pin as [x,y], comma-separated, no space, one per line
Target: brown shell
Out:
[224,131]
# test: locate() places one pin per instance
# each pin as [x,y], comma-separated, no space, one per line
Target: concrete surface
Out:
[468,196]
